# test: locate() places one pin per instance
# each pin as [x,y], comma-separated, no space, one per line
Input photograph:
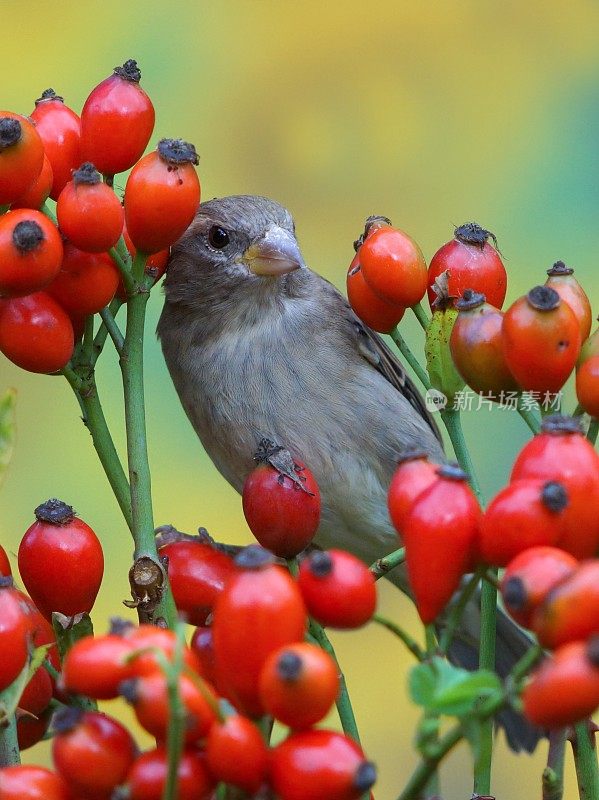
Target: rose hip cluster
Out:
[248,660]
[543,528]
[533,346]
[56,272]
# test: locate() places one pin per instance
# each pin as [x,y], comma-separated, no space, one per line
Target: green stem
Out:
[75,384]
[593,430]
[529,417]
[138,266]
[492,576]
[87,346]
[177,713]
[94,420]
[137,452]
[431,640]
[433,785]
[585,761]
[421,316]
[133,384]
[487,710]
[344,706]
[457,611]
[578,411]
[123,266]
[9,744]
[404,349]
[102,333]
[486,660]
[383,566]
[4,209]
[113,329]
[553,774]
[404,636]
[453,423]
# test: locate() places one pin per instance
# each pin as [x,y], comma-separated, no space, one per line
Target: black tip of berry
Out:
[266,449]
[452,472]
[10,132]
[560,424]
[289,666]
[412,454]
[593,650]
[470,299]
[129,71]
[543,298]
[365,777]
[473,233]
[49,94]
[120,626]
[177,152]
[129,689]
[55,512]
[514,593]
[254,557]
[27,236]
[67,718]
[87,173]
[373,219]
[554,496]
[320,563]
[6,581]
[559,268]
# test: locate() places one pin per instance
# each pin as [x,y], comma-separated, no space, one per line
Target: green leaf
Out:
[37,658]
[7,429]
[439,363]
[422,684]
[69,630]
[440,687]
[9,698]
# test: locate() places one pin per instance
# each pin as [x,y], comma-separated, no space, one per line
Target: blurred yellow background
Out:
[432,114]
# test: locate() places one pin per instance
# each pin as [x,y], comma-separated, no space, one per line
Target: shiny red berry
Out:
[338,589]
[61,561]
[117,121]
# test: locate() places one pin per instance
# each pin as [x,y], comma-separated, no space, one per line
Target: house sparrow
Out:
[259,346]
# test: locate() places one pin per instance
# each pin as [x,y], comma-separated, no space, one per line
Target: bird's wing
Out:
[372,347]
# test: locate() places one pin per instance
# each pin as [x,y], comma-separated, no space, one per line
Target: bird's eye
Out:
[218,237]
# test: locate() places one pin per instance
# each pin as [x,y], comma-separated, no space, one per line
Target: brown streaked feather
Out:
[392,369]
[373,348]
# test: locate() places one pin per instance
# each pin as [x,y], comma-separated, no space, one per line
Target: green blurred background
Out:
[432,114]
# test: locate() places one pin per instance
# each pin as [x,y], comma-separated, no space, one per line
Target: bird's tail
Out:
[512,642]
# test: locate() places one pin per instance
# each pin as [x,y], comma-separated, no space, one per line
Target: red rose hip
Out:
[339,590]
[162,196]
[61,561]
[281,501]
[60,131]
[89,212]
[117,121]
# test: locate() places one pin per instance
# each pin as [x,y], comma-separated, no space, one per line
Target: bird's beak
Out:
[274,253]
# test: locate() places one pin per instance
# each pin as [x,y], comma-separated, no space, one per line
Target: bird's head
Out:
[234,243]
